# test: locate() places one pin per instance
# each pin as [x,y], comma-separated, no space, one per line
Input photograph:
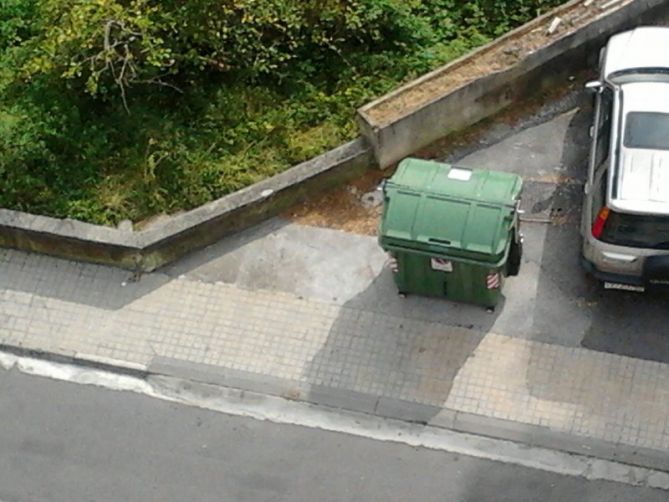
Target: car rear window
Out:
[647,130]
[637,230]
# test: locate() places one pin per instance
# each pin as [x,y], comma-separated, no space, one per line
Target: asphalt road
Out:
[67,442]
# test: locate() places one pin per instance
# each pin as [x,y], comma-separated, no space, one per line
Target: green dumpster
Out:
[451,231]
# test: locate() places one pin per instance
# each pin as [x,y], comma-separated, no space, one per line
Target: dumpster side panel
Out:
[454,280]
[415,275]
[468,283]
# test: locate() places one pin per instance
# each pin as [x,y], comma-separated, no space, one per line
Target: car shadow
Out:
[586,394]
[571,305]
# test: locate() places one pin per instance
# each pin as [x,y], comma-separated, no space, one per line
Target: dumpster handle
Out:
[399,247]
[442,242]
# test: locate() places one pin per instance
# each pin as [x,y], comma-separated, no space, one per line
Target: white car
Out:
[625,221]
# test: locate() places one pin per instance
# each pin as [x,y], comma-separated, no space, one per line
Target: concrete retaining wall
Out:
[151,248]
[408,130]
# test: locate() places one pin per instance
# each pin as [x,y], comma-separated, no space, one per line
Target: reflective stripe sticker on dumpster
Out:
[492,280]
[392,263]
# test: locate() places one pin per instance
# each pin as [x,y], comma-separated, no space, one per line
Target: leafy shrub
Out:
[114,109]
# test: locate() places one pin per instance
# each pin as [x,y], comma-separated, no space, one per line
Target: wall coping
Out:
[130,249]
[368,110]
[505,71]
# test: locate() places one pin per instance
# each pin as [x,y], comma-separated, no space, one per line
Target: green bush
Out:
[114,109]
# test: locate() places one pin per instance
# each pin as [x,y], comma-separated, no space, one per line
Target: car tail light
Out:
[600,221]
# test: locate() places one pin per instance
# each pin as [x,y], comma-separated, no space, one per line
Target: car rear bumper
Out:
[633,280]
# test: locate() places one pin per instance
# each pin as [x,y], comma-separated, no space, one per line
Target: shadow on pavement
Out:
[223,260]
[586,394]
[97,286]
[576,143]
[572,308]
[111,288]
[394,360]
[629,324]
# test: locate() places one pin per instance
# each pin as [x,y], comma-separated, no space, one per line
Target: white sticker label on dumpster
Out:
[441,264]
[457,173]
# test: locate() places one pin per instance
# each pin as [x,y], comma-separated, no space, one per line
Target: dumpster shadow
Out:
[399,364]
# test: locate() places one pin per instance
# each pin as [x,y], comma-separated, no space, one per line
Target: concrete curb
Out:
[409,128]
[77,358]
[154,247]
[381,406]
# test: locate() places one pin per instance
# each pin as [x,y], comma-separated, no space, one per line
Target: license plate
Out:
[661,282]
[624,287]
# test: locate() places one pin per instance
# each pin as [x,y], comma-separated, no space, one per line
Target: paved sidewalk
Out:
[338,355]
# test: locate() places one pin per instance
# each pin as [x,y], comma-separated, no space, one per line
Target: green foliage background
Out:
[114,109]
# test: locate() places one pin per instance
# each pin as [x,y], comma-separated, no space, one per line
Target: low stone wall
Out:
[396,129]
[165,242]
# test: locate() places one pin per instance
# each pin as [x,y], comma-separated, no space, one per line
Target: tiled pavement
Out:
[93,312]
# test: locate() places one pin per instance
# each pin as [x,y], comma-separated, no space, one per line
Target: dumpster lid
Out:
[450,210]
